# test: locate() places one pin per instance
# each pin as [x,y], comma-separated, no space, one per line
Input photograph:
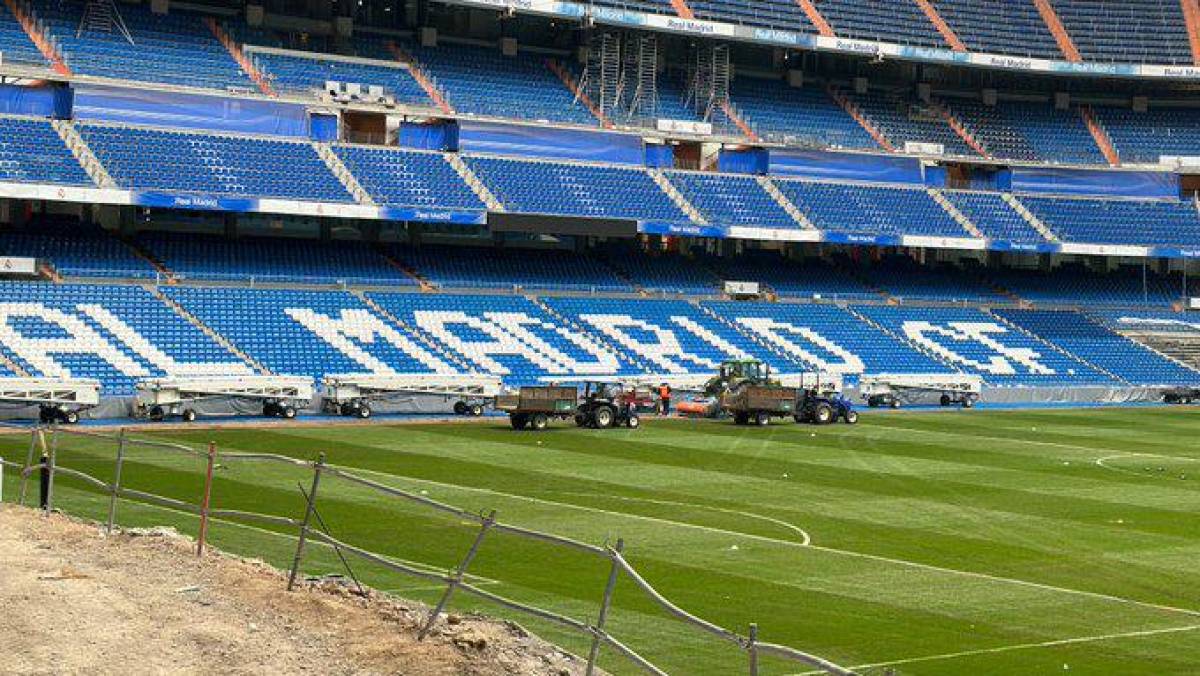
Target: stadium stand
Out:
[271,259]
[881,20]
[773,13]
[482,81]
[32,152]
[308,74]
[1073,284]
[1107,221]
[1000,27]
[575,189]
[991,127]
[1148,31]
[994,217]
[902,277]
[212,164]
[176,48]
[665,336]
[407,178]
[15,44]
[802,116]
[731,200]
[1145,137]
[507,336]
[116,334]
[1125,359]
[1030,131]
[75,249]
[870,209]
[804,278]
[901,120]
[309,333]
[827,338]
[504,268]
[667,273]
[982,344]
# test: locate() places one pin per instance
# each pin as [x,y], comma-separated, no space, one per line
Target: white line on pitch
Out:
[791,543]
[1020,646]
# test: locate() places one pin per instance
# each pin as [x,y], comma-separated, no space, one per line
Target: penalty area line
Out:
[792,543]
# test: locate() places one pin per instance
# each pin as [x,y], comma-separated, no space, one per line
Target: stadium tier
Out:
[308,75]
[874,209]
[32,152]
[120,334]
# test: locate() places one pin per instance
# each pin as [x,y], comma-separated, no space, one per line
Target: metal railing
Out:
[47,438]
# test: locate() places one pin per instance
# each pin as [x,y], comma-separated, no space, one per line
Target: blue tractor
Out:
[819,408]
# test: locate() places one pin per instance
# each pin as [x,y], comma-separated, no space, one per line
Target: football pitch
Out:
[990,542]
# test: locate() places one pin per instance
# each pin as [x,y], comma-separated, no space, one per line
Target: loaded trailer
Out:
[536,406]
[358,394]
[58,400]
[275,396]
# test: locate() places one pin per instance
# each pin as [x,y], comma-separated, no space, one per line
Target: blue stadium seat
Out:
[870,209]
[48,317]
[75,249]
[272,259]
[408,178]
[983,344]
[1118,221]
[307,75]
[32,152]
[1098,345]
[507,268]
[176,48]
[213,164]
[725,199]
[575,189]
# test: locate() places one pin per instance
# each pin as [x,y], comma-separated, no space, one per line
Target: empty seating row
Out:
[32,152]
[1118,221]
[504,268]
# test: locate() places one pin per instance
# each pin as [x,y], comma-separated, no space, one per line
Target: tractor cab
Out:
[607,404]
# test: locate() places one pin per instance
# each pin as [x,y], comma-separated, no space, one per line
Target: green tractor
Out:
[722,392]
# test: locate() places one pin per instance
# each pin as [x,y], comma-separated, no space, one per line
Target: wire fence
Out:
[42,459]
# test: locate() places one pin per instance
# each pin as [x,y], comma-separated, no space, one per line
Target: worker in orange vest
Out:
[664,398]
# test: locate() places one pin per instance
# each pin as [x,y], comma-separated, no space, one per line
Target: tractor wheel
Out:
[762,419]
[288,412]
[539,422]
[188,415]
[634,421]
[740,418]
[945,400]
[851,417]
[823,414]
[460,408]
[270,409]
[363,411]
[968,403]
[475,410]
[157,413]
[580,420]
[895,403]
[518,420]
[603,417]
[71,417]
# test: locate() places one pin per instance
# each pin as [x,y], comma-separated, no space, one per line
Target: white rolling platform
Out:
[950,388]
[355,394]
[280,396]
[58,399]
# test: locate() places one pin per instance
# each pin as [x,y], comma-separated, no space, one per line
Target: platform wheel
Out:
[539,422]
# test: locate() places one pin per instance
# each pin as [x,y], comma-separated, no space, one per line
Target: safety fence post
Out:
[115,489]
[47,501]
[459,573]
[206,499]
[609,588]
[310,505]
[28,469]
[752,648]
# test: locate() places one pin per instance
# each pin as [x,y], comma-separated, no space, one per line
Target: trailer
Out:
[357,395]
[278,396]
[1181,395]
[57,399]
[890,390]
[535,407]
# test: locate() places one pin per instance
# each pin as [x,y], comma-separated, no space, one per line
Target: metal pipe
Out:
[458,575]
[308,511]
[115,489]
[609,588]
[206,498]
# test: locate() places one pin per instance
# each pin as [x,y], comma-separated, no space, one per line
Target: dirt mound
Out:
[74,600]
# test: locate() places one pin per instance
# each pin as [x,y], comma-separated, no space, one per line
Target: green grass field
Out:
[941,543]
